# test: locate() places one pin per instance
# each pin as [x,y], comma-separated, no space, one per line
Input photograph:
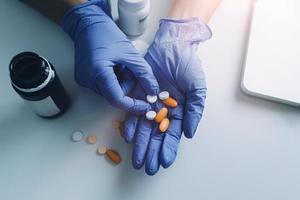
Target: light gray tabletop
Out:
[245,148]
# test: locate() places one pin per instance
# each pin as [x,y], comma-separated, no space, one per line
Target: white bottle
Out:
[133,16]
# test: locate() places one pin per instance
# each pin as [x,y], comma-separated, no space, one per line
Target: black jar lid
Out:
[28,70]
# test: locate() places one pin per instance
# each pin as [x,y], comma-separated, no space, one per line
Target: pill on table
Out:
[121,130]
[164,125]
[92,139]
[151,98]
[114,156]
[116,124]
[164,95]
[170,102]
[150,115]
[101,150]
[162,113]
[77,136]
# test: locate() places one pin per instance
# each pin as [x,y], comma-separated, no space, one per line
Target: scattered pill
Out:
[170,102]
[116,124]
[164,125]
[101,150]
[114,156]
[151,98]
[121,130]
[164,95]
[162,113]
[150,115]
[77,136]
[92,139]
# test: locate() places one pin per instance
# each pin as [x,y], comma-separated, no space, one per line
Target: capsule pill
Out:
[162,113]
[170,102]
[114,156]
[164,125]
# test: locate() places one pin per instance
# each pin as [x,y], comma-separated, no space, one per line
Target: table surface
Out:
[245,148]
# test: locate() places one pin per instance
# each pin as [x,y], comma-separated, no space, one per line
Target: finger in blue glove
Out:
[170,144]
[99,46]
[143,134]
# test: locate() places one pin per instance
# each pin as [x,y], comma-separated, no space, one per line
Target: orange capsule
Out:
[170,102]
[164,125]
[114,156]
[162,113]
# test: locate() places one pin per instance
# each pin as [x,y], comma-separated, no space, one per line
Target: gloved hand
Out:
[177,67]
[99,47]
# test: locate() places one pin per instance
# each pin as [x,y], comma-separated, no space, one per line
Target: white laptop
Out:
[272,65]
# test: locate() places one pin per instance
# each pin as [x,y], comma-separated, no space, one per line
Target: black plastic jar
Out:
[36,81]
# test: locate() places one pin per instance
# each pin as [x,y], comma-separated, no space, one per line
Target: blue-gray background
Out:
[245,148]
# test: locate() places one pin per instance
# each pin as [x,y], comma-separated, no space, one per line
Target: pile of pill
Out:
[161,117]
[113,155]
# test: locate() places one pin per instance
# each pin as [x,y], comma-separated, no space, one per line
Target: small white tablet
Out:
[272,65]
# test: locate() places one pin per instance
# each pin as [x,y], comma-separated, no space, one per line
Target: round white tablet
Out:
[141,46]
[151,99]
[150,115]
[77,136]
[101,150]
[164,95]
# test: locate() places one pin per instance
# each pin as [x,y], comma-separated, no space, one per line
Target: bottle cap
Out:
[30,72]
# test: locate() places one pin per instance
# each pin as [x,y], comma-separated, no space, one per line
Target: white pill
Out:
[151,99]
[101,150]
[164,95]
[77,136]
[150,115]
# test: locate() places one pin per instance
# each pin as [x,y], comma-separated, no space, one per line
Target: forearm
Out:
[202,9]
[54,9]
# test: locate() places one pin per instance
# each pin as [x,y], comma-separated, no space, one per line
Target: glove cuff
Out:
[78,17]
[193,29]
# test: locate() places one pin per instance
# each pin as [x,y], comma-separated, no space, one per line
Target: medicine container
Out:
[36,81]
[133,16]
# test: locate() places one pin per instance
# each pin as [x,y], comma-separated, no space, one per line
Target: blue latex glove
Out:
[177,67]
[99,47]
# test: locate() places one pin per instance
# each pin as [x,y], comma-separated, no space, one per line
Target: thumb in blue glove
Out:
[99,47]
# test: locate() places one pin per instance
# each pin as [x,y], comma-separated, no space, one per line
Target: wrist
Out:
[185,9]
[73,23]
